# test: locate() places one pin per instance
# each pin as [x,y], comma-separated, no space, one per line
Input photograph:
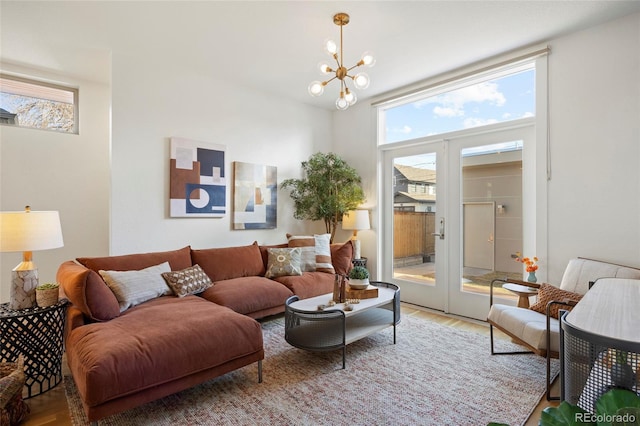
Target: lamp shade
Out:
[356,220]
[30,231]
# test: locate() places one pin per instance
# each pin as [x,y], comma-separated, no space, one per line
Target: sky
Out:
[503,99]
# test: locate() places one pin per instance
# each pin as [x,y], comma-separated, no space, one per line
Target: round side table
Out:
[523,293]
[38,334]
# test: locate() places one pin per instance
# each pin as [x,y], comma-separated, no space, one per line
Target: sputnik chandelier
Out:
[360,80]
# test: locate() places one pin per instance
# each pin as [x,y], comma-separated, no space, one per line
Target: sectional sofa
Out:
[124,355]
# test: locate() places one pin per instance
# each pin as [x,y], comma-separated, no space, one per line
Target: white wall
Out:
[594,193]
[154,100]
[56,171]
[593,196]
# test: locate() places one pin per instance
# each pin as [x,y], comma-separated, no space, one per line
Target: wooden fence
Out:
[412,234]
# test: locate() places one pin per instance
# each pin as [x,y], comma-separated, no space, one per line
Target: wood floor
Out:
[51,407]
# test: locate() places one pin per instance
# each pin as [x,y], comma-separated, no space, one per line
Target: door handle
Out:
[441,233]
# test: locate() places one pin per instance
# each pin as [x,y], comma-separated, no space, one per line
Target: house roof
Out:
[415,174]
[411,196]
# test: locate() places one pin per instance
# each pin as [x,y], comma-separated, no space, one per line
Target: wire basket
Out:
[47,297]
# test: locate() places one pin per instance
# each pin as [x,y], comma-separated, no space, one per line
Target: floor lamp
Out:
[28,231]
[356,220]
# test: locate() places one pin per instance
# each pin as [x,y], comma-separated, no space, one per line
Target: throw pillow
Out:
[323,253]
[134,287]
[191,280]
[283,262]
[548,293]
[307,245]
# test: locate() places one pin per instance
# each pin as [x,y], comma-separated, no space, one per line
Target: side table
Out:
[523,293]
[359,262]
[38,334]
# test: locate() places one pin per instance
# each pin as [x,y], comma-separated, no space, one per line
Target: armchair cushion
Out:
[548,293]
[526,325]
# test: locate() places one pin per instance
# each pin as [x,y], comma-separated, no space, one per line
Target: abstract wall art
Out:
[255,196]
[197,179]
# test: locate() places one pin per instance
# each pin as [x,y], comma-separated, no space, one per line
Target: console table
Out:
[37,333]
[600,342]
[311,329]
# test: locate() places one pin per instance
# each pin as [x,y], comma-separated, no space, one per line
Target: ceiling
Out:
[275,46]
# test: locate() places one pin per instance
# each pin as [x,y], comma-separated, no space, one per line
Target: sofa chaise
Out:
[123,356]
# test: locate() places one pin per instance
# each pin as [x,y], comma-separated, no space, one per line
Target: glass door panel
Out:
[415,197]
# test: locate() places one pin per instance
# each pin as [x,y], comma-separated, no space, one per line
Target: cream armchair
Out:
[538,330]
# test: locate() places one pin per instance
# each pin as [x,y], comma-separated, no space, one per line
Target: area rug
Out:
[434,375]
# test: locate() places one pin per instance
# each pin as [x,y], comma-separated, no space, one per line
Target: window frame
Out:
[74,91]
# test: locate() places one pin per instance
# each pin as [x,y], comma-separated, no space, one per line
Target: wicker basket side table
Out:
[37,334]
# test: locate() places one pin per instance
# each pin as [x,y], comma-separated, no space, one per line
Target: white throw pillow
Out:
[323,253]
[134,287]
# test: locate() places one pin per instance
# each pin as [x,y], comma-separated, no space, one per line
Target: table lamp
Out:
[356,220]
[28,231]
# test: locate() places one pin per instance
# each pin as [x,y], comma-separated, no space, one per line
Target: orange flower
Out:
[530,264]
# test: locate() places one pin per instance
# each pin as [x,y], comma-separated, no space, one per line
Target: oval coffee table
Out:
[311,329]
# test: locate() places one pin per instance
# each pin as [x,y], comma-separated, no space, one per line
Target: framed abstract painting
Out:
[255,196]
[197,179]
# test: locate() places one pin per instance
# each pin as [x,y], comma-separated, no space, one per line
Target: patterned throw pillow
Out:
[134,287]
[307,245]
[323,253]
[283,262]
[191,280]
[548,293]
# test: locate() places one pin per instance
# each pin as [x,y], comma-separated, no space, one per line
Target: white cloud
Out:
[475,122]
[528,114]
[506,116]
[448,112]
[456,100]
[405,130]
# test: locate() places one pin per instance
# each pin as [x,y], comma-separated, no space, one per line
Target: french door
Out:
[453,210]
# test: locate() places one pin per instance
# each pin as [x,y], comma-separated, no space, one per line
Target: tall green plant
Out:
[329,188]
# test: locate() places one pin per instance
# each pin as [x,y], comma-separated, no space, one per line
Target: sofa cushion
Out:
[283,261]
[248,294]
[548,293]
[192,280]
[229,262]
[87,291]
[138,350]
[135,287]
[310,284]
[307,245]
[264,252]
[341,255]
[323,253]
[178,259]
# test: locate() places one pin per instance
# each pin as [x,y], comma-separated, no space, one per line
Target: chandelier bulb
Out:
[350,97]
[361,81]
[316,88]
[341,103]
[368,59]
[330,47]
[324,68]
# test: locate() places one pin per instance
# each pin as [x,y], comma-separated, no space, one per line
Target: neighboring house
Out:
[7,117]
[414,189]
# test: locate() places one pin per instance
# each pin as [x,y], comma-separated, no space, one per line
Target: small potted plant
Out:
[358,277]
[47,294]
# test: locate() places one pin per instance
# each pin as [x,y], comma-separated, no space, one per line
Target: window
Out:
[497,97]
[38,105]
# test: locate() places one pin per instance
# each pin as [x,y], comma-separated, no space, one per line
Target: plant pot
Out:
[358,284]
[47,297]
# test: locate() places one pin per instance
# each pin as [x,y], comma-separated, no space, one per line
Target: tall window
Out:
[501,96]
[38,105]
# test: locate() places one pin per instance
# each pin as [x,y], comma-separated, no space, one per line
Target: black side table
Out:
[38,334]
[359,262]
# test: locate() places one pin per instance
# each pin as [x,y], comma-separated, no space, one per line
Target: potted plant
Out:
[47,294]
[358,277]
[329,189]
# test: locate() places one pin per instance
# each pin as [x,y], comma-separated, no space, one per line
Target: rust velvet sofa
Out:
[121,358]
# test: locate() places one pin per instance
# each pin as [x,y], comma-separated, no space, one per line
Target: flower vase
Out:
[532,277]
